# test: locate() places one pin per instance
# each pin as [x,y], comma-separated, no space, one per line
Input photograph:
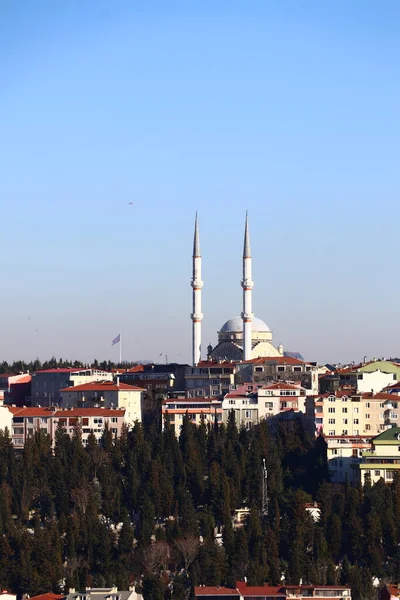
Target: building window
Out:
[247,414]
[199,392]
[345,422]
[344,410]
[258,369]
[368,427]
[331,432]
[269,405]
[331,398]
[214,382]
[232,401]
[43,420]
[30,420]
[344,398]
[355,421]
[296,368]
[334,451]
[356,410]
[382,405]
[98,421]
[355,452]
[331,409]
[389,474]
[215,393]
[114,419]
[367,416]
[281,369]
[367,405]
[356,432]
[331,421]
[393,415]
[344,432]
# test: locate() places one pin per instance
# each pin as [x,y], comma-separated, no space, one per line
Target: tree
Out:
[189,548]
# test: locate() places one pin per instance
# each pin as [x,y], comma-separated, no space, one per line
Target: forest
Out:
[144,509]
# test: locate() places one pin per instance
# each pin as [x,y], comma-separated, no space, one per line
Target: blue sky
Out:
[289,109]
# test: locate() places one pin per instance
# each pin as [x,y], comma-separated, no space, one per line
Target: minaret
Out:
[196,284]
[247,285]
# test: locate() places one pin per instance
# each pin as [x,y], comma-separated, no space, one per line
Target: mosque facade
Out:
[243,337]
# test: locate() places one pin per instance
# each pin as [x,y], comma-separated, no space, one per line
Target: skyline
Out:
[288,110]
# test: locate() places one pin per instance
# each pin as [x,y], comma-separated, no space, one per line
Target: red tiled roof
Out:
[215,591]
[136,369]
[34,411]
[102,386]
[379,396]
[48,596]
[90,412]
[392,589]
[279,360]
[281,386]
[216,363]
[260,590]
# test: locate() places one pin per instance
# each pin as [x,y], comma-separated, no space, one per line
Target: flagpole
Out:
[120,349]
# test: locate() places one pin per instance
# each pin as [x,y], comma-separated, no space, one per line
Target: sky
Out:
[286,108]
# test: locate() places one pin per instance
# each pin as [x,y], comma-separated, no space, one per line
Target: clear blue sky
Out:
[289,109]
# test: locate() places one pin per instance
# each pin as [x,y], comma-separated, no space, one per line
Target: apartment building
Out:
[210,379]
[26,421]
[279,368]
[344,454]
[345,413]
[372,376]
[107,394]
[208,410]
[383,460]
[243,590]
[46,384]
[158,379]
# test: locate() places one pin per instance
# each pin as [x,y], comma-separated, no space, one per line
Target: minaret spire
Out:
[247,285]
[196,284]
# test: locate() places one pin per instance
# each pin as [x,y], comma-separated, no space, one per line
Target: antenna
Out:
[264,489]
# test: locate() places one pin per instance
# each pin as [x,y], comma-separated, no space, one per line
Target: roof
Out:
[392,589]
[90,412]
[390,435]
[48,596]
[216,363]
[102,386]
[379,396]
[235,325]
[62,370]
[281,386]
[260,590]
[279,360]
[215,591]
[35,411]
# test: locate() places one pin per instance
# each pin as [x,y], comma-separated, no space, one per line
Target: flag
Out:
[116,340]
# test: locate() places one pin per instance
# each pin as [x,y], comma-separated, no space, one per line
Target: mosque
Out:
[240,338]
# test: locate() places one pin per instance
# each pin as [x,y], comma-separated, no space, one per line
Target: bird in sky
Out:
[130,203]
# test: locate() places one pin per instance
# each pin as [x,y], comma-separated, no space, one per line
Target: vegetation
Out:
[21,366]
[144,509]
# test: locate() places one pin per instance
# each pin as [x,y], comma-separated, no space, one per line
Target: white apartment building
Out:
[265,402]
[344,454]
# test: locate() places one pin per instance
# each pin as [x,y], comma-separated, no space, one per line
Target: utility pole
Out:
[264,489]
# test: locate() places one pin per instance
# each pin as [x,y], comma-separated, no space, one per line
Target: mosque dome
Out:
[235,325]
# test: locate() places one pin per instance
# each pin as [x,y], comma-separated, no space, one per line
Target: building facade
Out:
[383,460]
[25,422]
[46,384]
[282,368]
[106,394]
[198,410]
[210,379]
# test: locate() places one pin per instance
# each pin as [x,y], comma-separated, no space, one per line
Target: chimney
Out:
[117,380]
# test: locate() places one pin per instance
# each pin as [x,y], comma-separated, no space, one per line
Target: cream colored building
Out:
[348,414]
[106,394]
[384,458]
